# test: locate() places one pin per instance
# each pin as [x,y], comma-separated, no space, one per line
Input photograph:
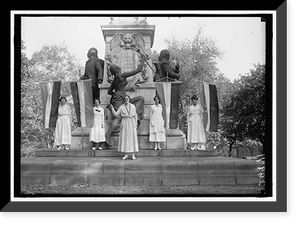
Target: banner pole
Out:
[166,139]
[82,138]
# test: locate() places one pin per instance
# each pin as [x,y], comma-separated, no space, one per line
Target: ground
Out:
[102,190]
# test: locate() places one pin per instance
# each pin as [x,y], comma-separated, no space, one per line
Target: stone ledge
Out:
[143,171]
[115,153]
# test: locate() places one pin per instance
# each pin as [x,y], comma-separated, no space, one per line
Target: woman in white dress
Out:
[157,130]
[62,135]
[196,132]
[97,133]
[128,140]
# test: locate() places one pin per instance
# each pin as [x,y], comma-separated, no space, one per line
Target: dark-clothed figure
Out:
[164,69]
[94,71]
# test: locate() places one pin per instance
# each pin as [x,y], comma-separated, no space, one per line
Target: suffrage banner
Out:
[50,100]
[209,100]
[82,94]
[169,94]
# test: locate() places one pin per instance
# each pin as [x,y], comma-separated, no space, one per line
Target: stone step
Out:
[115,153]
[175,138]
[142,171]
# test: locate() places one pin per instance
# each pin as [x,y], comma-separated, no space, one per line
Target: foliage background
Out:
[241,102]
[50,63]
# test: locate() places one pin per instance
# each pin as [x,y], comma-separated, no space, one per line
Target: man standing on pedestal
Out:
[94,71]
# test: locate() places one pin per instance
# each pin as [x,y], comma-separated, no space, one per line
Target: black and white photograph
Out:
[154,106]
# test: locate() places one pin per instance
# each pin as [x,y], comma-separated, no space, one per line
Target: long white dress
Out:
[157,130]
[128,140]
[62,135]
[196,133]
[97,133]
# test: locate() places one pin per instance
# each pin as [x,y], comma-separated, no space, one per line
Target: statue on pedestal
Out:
[94,71]
[164,70]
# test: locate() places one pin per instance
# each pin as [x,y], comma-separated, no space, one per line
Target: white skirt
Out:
[157,137]
[97,133]
[62,131]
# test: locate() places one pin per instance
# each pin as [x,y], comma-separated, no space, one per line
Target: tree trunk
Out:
[230,147]
[230,150]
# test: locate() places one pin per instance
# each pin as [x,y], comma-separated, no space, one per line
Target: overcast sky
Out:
[241,39]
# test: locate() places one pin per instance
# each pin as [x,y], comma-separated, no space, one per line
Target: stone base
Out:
[146,171]
[175,138]
[115,153]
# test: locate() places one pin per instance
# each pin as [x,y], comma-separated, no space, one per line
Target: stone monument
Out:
[126,38]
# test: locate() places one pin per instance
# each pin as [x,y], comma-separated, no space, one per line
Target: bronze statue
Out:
[117,92]
[94,71]
[164,70]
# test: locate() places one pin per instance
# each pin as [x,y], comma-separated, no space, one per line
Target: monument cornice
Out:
[110,30]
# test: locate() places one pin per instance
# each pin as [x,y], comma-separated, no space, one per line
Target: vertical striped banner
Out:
[50,99]
[169,94]
[82,94]
[214,108]
[203,102]
[75,96]
[209,99]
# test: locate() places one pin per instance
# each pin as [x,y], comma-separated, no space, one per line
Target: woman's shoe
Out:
[100,148]
[133,156]
[93,148]
[59,148]
[192,148]
[159,148]
[125,156]
[66,148]
[155,148]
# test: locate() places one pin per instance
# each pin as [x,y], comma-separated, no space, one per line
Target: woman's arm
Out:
[134,116]
[188,114]
[150,116]
[201,112]
[114,112]
[102,117]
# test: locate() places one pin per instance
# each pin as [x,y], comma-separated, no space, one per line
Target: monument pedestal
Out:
[143,34]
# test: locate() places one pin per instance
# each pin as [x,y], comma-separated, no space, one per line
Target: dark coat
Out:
[164,70]
[94,71]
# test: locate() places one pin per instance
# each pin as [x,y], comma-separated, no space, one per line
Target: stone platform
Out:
[149,171]
[175,139]
[115,153]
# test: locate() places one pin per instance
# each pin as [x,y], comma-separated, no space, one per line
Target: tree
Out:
[197,59]
[244,113]
[55,63]
[50,63]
